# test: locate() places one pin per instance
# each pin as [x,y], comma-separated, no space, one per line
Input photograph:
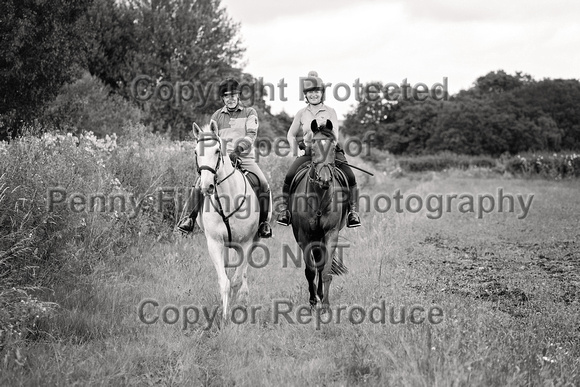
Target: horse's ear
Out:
[196,130]
[328,124]
[314,126]
[214,127]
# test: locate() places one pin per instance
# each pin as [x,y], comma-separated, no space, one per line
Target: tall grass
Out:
[543,165]
[74,281]
[49,252]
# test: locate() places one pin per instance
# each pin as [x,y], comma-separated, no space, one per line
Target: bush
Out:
[45,245]
[553,166]
[88,105]
[434,163]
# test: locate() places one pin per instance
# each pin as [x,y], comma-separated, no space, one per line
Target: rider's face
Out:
[231,100]
[314,97]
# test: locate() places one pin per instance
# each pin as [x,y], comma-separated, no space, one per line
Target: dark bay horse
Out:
[319,204]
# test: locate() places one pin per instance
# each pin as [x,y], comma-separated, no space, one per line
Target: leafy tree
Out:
[89,105]
[499,82]
[500,113]
[42,45]
[169,41]
[372,113]
[112,40]
[413,125]
[557,100]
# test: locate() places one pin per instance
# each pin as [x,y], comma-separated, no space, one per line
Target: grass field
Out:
[508,288]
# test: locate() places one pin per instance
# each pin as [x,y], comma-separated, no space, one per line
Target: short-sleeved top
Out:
[239,127]
[303,119]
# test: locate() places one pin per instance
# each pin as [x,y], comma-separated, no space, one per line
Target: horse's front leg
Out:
[331,241]
[311,278]
[239,283]
[321,291]
[216,252]
[310,269]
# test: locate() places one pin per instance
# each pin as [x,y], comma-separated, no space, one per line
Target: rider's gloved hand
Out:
[236,157]
[302,148]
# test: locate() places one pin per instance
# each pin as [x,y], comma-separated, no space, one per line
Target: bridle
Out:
[316,178]
[219,162]
[214,171]
[314,175]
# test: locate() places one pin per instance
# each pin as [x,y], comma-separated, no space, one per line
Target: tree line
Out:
[500,113]
[70,65]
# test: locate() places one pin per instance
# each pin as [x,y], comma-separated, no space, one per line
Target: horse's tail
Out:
[338,267]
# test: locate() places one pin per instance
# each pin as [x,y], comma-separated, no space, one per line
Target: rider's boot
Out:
[187,224]
[264,230]
[353,219]
[284,217]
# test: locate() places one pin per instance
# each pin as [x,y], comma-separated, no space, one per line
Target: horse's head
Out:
[208,155]
[323,153]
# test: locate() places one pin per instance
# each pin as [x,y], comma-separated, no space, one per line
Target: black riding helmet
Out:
[312,83]
[229,86]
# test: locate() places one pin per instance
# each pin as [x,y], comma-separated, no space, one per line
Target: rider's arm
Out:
[293,132]
[251,130]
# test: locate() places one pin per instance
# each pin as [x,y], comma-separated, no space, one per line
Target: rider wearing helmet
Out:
[238,128]
[313,89]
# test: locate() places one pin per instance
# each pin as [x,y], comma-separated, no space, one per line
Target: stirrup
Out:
[353,220]
[284,218]
[186,225]
[264,230]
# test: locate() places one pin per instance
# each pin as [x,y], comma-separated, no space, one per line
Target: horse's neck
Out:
[230,181]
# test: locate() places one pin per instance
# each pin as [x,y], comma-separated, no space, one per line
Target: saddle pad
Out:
[254,181]
[299,176]
[340,177]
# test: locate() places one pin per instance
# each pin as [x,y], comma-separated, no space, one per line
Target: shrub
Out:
[553,166]
[88,105]
[44,246]
[434,163]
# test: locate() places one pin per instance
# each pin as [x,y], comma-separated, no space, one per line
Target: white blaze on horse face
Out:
[208,155]
[322,151]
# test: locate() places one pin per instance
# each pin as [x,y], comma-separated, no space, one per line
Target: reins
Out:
[214,171]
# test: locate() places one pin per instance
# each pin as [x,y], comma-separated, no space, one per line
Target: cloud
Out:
[423,42]
[459,11]
[266,11]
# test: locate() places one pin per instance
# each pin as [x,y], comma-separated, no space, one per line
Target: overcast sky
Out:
[390,40]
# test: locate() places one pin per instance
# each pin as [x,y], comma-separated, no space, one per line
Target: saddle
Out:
[252,179]
[303,171]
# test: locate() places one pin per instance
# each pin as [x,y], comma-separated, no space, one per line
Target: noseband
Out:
[316,178]
[217,165]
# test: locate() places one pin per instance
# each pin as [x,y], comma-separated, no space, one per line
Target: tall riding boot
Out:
[187,224]
[284,217]
[265,230]
[353,219]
